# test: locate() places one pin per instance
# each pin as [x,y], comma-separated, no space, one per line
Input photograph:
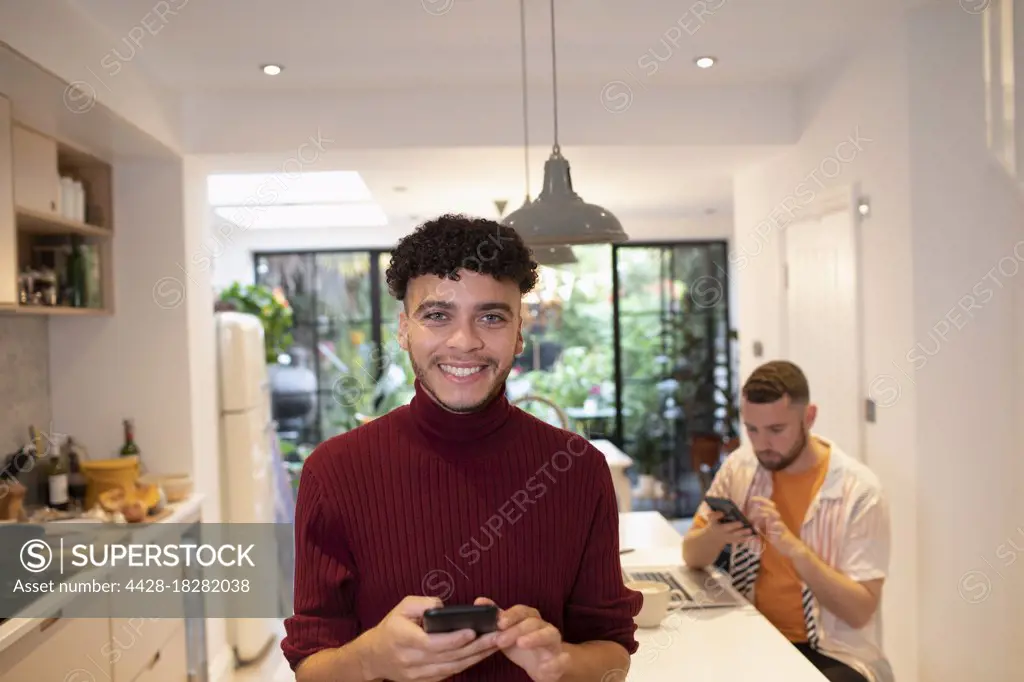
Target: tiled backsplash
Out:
[24,378]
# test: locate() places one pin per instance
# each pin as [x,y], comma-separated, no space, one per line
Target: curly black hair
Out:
[454,242]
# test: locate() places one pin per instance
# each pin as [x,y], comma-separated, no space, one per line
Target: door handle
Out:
[50,622]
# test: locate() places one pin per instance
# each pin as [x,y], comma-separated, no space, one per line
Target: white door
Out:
[823,332]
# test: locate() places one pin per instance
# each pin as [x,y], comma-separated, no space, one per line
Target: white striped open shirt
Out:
[847,526]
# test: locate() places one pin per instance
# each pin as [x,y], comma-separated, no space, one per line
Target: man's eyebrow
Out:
[433,303]
[495,305]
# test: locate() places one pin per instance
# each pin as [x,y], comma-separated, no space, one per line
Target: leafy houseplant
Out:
[273,310]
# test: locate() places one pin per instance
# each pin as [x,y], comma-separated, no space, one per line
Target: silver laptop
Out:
[701,588]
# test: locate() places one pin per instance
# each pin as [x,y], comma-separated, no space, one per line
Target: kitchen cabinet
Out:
[8,231]
[88,637]
[36,179]
[61,649]
[168,664]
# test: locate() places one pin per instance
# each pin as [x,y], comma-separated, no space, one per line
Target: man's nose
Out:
[464,338]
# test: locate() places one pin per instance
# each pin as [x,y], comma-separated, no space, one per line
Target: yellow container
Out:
[102,475]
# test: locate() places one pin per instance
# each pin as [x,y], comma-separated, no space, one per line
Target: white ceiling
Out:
[412,44]
[630,181]
[440,81]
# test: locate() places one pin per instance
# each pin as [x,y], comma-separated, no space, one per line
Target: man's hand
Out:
[766,515]
[398,649]
[728,533]
[530,642]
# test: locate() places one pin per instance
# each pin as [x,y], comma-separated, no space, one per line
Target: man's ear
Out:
[403,331]
[520,344]
[810,415]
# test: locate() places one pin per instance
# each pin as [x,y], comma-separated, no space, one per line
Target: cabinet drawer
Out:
[169,663]
[36,179]
[134,642]
[72,649]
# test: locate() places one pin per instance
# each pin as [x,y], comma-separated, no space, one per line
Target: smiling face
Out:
[462,336]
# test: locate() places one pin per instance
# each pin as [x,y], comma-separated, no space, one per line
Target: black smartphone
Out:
[730,510]
[480,619]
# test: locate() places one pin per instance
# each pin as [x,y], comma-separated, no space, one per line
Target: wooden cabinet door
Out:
[36,178]
[8,233]
[73,649]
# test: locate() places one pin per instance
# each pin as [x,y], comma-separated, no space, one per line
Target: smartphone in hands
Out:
[730,511]
[480,619]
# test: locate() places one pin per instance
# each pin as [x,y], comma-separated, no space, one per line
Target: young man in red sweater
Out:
[459,498]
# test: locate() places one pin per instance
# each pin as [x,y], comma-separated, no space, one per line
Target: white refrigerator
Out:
[246,451]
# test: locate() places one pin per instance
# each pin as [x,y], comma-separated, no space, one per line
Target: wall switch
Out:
[869,411]
[758,349]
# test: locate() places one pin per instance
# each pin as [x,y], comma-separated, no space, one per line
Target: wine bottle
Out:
[76,275]
[129,448]
[57,479]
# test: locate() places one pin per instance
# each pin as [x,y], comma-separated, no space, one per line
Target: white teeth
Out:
[460,371]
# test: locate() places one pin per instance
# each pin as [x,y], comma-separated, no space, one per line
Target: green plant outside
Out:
[273,311]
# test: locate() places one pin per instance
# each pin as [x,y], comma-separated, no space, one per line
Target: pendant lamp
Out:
[544,255]
[559,216]
[554,255]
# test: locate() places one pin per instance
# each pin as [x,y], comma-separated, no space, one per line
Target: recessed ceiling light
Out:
[705,62]
[271,69]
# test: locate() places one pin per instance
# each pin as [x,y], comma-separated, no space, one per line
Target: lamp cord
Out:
[554,74]
[526,108]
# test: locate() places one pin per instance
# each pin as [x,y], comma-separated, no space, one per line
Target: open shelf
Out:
[56,310]
[62,221]
[38,222]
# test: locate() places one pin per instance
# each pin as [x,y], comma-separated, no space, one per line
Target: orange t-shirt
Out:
[777,592]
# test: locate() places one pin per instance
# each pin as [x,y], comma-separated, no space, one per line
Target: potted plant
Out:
[648,452]
[271,307]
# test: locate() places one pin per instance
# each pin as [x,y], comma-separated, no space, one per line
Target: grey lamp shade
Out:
[559,217]
[553,255]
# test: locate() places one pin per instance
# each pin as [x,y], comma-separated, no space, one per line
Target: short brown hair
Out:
[774,380]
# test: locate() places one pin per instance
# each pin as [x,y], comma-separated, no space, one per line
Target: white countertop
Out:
[13,629]
[710,645]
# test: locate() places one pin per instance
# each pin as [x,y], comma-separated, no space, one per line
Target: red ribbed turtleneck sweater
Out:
[493,504]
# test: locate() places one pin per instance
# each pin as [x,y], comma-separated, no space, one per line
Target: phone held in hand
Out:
[730,511]
[480,619]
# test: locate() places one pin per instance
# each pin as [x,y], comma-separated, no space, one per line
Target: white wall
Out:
[942,218]
[968,246]
[864,100]
[131,364]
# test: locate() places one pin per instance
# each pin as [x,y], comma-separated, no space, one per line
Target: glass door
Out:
[395,387]
[346,341]
[673,363]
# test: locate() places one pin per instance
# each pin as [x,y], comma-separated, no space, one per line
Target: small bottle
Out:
[129,448]
[57,479]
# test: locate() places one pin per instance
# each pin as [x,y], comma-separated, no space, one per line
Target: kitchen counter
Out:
[709,645]
[13,629]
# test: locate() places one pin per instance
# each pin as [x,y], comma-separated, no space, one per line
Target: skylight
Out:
[266,189]
[361,214]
